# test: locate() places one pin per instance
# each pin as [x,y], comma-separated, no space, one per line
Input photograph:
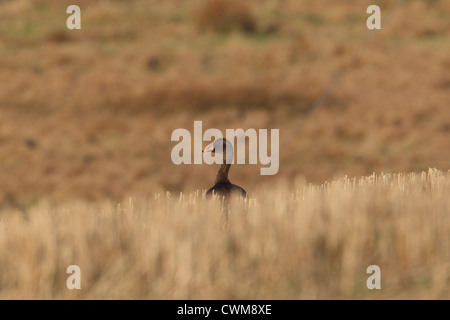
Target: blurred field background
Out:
[86,115]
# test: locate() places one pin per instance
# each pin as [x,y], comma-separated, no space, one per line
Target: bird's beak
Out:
[209,148]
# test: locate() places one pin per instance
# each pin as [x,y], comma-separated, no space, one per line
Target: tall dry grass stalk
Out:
[284,242]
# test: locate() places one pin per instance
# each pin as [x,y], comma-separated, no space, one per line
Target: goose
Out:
[222,185]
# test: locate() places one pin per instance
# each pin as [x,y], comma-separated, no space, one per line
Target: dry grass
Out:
[79,108]
[307,242]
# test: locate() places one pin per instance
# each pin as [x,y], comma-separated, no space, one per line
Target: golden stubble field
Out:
[307,242]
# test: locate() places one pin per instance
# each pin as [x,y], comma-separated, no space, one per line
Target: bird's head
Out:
[221,146]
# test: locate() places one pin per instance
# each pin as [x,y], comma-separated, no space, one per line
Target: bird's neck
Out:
[222,174]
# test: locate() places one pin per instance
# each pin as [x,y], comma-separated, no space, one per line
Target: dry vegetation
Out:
[309,242]
[88,114]
[86,118]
